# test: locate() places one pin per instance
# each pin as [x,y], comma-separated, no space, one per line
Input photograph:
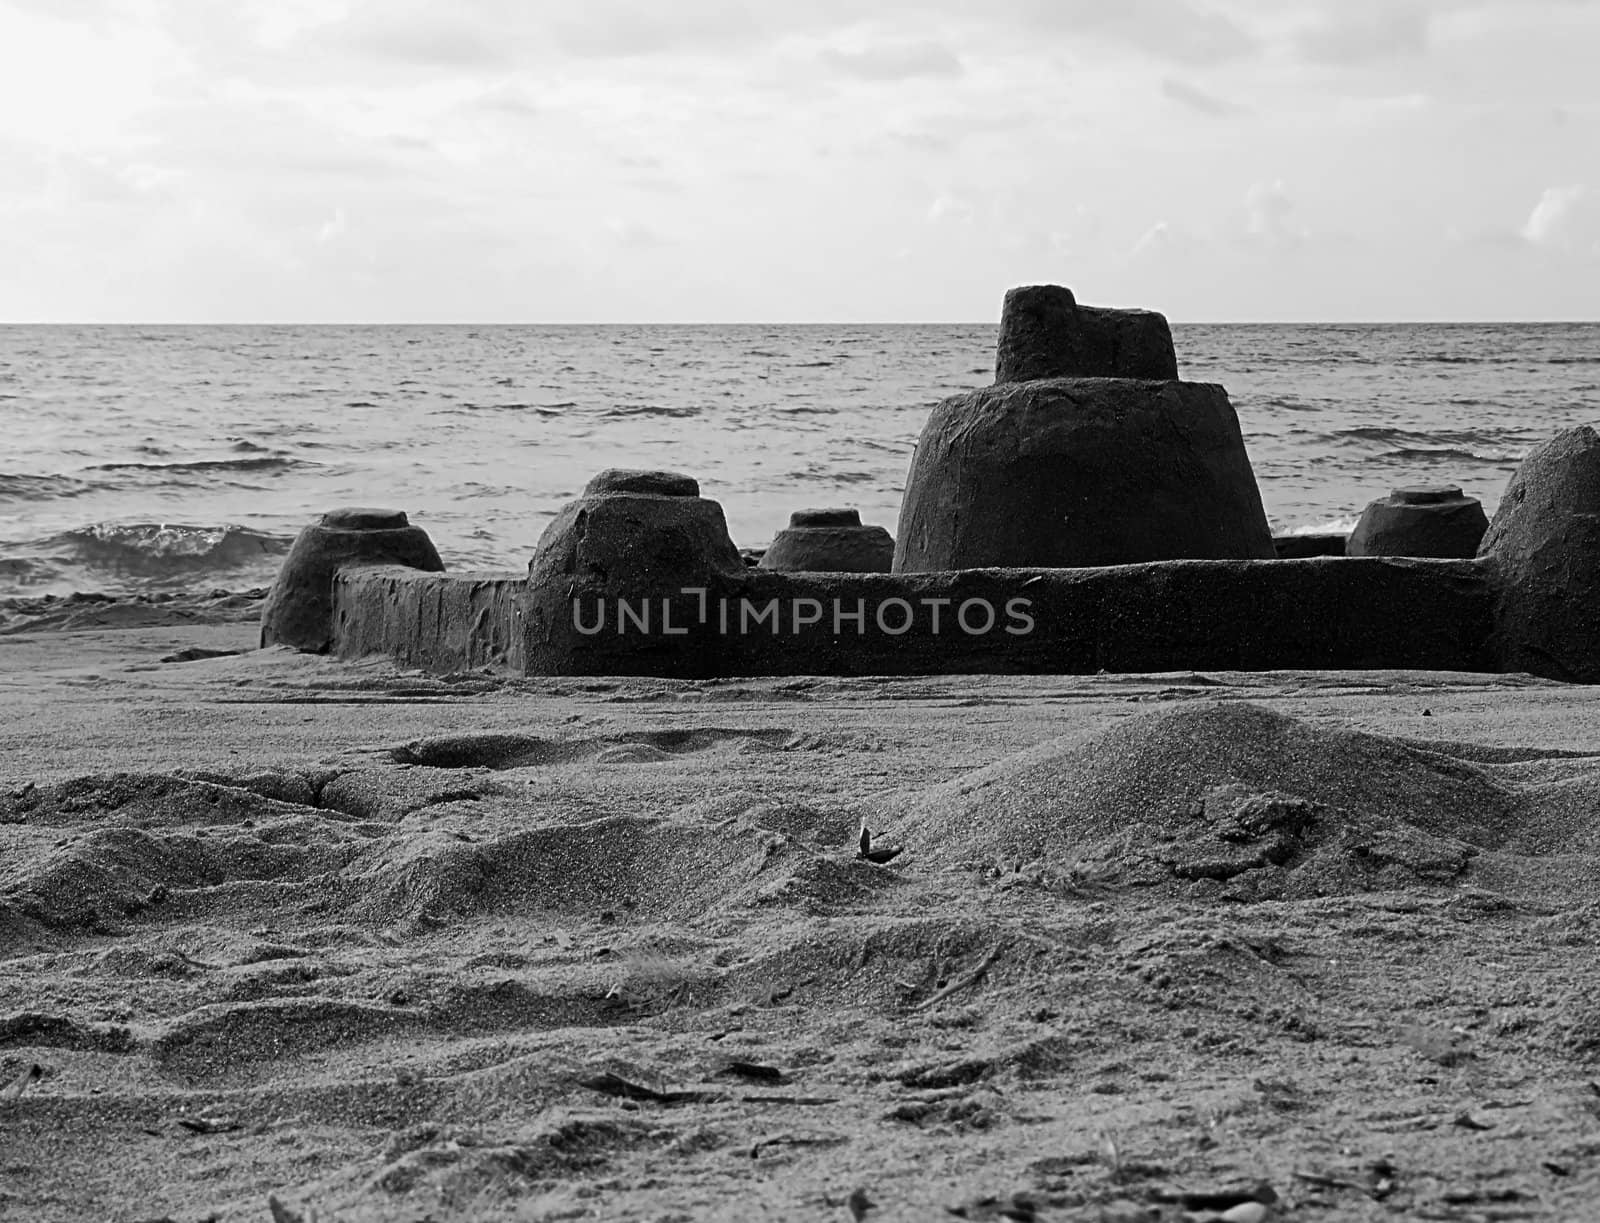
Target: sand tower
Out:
[829,541]
[1423,520]
[1086,451]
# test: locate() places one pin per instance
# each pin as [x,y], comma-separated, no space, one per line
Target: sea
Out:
[137,459]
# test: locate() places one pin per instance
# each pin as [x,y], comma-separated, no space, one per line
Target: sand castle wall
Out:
[1161,616]
[639,575]
[630,582]
[440,622]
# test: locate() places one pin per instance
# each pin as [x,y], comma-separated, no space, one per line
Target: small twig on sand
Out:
[972,978]
[282,1213]
[796,1140]
[1111,1153]
[615,1085]
[31,1073]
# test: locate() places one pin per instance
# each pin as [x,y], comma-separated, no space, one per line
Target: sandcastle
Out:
[1087,450]
[1087,512]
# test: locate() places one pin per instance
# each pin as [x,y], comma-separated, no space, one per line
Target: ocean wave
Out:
[140,555]
[160,546]
[650,409]
[254,463]
[542,409]
[893,447]
[1446,454]
[20,487]
[1282,404]
[1424,440]
[1326,526]
[814,475]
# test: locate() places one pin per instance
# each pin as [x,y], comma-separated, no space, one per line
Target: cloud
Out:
[1198,99]
[1171,29]
[1355,34]
[422,41]
[894,61]
[253,136]
[607,28]
[1153,241]
[1168,242]
[504,100]
[1269,213]
[951,209]
[1564,218]
[275,24]
[95,179]
[333,227]
[942,133]
[634,235]
[1078,234]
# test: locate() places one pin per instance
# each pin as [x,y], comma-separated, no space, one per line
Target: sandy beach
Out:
[827,613]
[288,938]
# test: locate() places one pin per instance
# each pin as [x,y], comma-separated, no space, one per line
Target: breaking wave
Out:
[142,555]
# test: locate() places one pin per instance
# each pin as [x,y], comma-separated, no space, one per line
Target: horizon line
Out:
[1405,322]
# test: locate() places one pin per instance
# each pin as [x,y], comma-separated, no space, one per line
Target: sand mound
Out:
[1236,794]
[93,852]
[231,1034]
[98,880]
[400,844]
[459,1168]
[620,865]
[389,795]
[151,799]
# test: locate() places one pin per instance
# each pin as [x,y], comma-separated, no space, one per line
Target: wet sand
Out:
[384,945]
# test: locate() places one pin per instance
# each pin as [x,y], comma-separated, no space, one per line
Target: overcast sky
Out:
[796,160]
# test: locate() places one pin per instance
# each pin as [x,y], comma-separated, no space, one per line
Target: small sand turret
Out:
[830,541]
[299,609]
[1433,520]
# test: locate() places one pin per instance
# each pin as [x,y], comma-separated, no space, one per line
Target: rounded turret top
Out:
[1426,494]
[363,518]
[649,483]
[825,518]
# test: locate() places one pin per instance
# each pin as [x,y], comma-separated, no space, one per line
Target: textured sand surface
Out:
[372,942]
